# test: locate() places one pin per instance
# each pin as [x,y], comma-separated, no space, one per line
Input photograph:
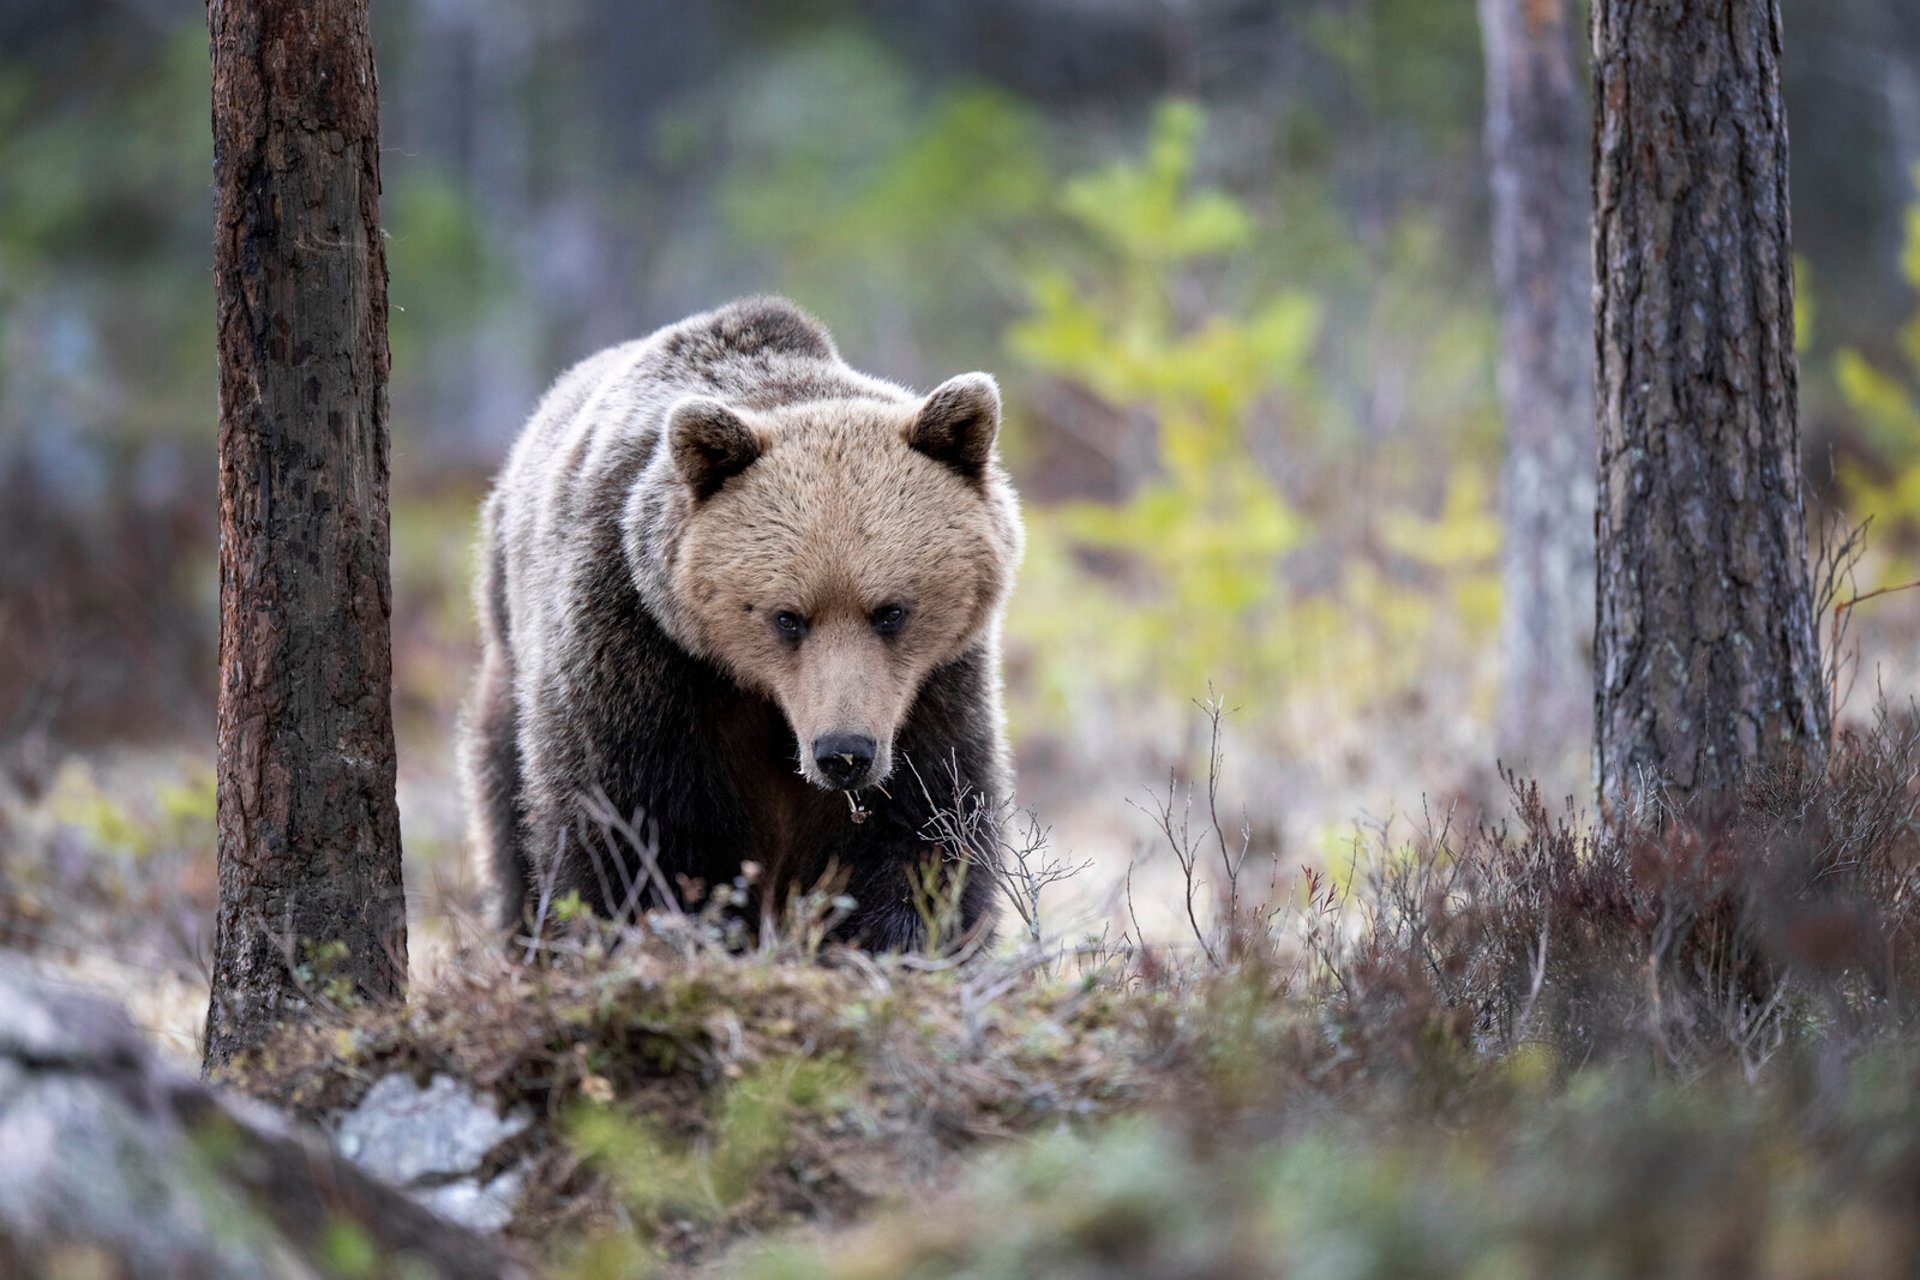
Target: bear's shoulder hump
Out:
[769,324]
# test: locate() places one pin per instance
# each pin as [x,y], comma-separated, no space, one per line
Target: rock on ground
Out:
[117,1165]
[435,1142]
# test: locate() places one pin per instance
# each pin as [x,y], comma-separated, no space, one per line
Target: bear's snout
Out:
[844,759]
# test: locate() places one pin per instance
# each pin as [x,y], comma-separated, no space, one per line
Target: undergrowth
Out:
[1527,1048]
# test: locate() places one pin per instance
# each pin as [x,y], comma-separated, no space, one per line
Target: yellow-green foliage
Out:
[347,1250]
[1887,486]
[1187,582]
[177,815]
[443,274]
[891,212]
[321,970]
[659,1176]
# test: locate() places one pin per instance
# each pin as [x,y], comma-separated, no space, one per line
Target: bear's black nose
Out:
[843,758]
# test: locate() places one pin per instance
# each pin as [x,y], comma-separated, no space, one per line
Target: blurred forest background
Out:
[1230,261]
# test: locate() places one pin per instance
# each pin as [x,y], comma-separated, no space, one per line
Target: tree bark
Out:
[308,826]
[1538,159]
[1707,658]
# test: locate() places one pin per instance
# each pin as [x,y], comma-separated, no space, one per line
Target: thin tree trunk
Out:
[1538,158]
[309,832]
[1707,659]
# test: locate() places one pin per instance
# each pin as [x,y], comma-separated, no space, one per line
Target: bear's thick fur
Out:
[723,577]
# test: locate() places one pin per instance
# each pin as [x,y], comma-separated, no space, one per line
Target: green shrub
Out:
[1884,484]
[1196,576]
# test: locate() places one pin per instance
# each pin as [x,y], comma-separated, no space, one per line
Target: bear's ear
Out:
[958,423]
[711,444]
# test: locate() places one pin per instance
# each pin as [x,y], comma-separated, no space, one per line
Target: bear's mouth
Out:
[857,812]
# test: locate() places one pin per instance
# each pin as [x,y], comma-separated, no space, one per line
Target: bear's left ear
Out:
[958,423]
[711,444]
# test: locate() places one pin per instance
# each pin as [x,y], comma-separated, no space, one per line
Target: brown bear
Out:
[726,579]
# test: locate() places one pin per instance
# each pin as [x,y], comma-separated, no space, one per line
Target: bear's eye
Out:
[791,626]
[889,618]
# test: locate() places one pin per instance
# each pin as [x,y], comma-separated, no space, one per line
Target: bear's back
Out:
[755,328]
[603,415]
[557,507]
[758,353]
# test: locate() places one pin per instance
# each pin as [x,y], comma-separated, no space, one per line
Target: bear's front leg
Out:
[566,850]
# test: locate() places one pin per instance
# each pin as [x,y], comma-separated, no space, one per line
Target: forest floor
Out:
[1524,1049]
[1515,1047]
[1448,1032]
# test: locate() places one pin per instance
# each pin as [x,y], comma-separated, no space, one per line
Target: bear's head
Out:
[831,554]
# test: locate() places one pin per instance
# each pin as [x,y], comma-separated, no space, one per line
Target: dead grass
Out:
[641,1048]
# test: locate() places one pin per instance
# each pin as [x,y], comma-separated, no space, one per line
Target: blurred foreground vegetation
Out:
[1531,1050]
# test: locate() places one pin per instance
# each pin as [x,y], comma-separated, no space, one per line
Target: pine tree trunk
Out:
[1538,155]
[1706,654]
[309,831]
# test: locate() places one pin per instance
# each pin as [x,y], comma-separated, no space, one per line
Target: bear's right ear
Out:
[711,444]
